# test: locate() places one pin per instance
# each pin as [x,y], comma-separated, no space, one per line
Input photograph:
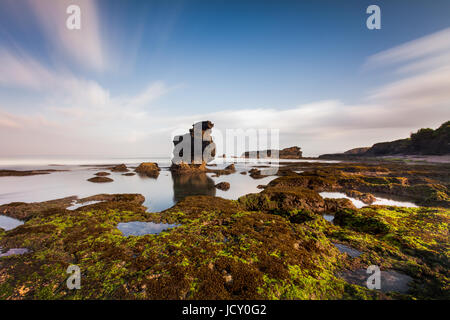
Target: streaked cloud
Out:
[86,46]
[427,48]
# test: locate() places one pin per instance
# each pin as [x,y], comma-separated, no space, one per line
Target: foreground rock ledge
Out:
[220,250]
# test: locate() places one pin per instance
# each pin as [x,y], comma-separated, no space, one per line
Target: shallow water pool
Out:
[138,228]
[8,223]
[359,204]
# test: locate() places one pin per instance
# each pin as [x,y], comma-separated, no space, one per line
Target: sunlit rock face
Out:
[195,148]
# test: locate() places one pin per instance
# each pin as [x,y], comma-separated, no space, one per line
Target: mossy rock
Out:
[150,169]
[362,221]
[218,251]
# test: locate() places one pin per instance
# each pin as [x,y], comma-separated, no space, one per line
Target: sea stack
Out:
[193,150]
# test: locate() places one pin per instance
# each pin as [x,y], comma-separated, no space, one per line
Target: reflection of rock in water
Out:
[192,185]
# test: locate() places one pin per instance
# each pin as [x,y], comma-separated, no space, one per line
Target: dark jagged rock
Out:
[193,150]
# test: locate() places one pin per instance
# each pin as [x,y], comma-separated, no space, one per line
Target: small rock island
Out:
[193,150]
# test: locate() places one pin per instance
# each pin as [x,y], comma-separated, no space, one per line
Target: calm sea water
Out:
[160,193]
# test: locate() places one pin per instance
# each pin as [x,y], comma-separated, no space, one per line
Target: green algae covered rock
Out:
[218,251]
[286,200]
[150,169]
[224,249]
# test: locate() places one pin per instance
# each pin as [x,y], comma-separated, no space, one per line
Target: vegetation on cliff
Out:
[425,141]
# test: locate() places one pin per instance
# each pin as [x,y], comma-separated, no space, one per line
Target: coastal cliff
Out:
[423,142]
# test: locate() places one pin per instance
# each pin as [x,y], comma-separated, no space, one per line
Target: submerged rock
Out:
[228,170]
[100,180]
[256,174]
[16,173]
[120,168]
[102,174]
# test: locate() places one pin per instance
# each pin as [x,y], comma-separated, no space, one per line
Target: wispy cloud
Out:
[422,93]
[86,46]
[427,47]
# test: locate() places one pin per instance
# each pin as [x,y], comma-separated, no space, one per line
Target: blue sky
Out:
[138,70]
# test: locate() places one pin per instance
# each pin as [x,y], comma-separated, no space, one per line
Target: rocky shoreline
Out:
[274,244]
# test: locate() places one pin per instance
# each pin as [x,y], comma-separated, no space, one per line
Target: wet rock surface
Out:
[100,180]
[129,174]
[186,168]
[102,174]
[224,186]
[17,173]
[120,168]
[348,250]
[150,169]
[219,172]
